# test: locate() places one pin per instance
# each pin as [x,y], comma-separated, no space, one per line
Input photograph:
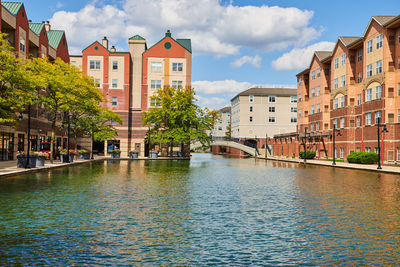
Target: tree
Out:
[176,117]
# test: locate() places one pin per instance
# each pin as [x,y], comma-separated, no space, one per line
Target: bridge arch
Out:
[250,150]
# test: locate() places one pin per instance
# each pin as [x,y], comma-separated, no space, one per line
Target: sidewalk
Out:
[367,167]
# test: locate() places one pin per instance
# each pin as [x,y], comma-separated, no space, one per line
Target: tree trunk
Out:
[76,142]
[53,135]
[164,150]
[186,149]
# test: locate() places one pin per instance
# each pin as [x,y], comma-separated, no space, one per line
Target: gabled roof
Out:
[137,37]
[322,55]
[95,42]
[383,19]
[55,37]
[36,27]
[13,7]
[225,110]
[186,43]
[268,91]
[348,40]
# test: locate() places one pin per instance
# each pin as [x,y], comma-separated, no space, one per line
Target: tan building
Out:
[261,112]
[222,126]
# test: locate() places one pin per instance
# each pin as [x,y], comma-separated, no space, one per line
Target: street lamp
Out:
[334,149]
[305,144]
[68,128]
[266,145]
[384,130]
[21,117]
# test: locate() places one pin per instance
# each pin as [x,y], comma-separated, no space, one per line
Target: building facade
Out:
[222,127]
[129,79]
[33,40]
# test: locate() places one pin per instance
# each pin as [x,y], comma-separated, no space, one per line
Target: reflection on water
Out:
[210,210]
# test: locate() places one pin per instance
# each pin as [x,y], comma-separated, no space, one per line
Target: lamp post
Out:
[266,145]
[92,157]
[68,128]
[305,144]
[334,149]
[384,130]
[29,134]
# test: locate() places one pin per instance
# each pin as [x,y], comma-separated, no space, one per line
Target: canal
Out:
[211,210]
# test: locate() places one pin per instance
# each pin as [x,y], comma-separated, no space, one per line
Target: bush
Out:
[363,157]
[307,154]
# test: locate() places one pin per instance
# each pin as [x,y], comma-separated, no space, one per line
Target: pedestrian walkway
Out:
[367,167]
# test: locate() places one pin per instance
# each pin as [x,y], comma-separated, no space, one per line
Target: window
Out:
[271,119]
[293,119]
[113,122]
[342,122]
[317,126]
[177,84]
[219,128]
[177,67]
[378,66]
[398,63]
[367,149]
[378,91]
[379,39]
[115,65]
[293,109]
[377,117]
[358,121]
[369,70]
[342,102]
[293,99]
[94,64]
[155,84]
[398,115]
[335,123]
[22,45]
[398,89]
[335,152]
[313,75]
[156,66]
[318,90]
[312,109]
[312,127]
[369,46]
[318,108]
[114,101]
[114,83]
[97,82]
[343,81]
[155,103]
[398,154]
[251,109]
[359,55]
[359,78]
[271,99]
[343,59]
[251,119]
[358,99]
[319,72]
[271,109]
[336,62]
[341,152]
[336,83]
[251,98]
[335,103]
[300,94]
[299,81]
[299,113]
[313,92]
[368,95]
[368,119]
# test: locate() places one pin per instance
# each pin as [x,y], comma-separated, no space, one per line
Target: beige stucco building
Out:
[221,127]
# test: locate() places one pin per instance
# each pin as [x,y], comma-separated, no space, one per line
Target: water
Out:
[211,210]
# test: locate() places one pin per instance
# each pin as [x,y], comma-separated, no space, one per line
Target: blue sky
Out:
[236,44]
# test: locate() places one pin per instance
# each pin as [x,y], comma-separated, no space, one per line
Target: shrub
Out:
[307,154]
[363,157]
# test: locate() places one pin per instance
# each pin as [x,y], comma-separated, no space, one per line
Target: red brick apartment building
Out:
[352,87]
[129,79]
[34,40]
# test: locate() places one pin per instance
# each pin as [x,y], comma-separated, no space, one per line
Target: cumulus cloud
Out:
[300,58]
[215,29]
[254,61]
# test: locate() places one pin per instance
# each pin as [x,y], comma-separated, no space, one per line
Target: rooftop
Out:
[268,91]
[225,110]
[36,27]
[13,7]
[54,37]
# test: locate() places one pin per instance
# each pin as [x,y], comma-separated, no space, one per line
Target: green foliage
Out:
[307,154]
[363,157]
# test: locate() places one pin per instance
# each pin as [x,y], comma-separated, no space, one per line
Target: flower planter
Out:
[116,155]
[21,161]
[84,156]
[64,158]
[40,161]
[133,155]
[153,155]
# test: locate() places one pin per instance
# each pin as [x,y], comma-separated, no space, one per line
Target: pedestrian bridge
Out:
[250,150]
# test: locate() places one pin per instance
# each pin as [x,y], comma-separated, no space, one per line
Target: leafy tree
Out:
[177,118]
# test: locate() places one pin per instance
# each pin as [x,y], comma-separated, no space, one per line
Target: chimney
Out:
[168,33]
[104,42]
[113,49]
[47,26]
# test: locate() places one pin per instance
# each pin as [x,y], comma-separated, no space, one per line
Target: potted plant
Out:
[116,154]
[64,156]
[134,154]
[22,160]
[84,154]
[41,158]
[153,154]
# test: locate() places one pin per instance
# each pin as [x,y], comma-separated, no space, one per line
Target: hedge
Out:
[363,157]
[307,154]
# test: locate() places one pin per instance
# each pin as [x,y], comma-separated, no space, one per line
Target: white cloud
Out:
[215,29]
[300,58]
[254,61]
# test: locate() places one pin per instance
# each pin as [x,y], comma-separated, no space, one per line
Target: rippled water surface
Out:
[211,210]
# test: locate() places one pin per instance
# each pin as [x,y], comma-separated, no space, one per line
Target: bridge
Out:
[248,149]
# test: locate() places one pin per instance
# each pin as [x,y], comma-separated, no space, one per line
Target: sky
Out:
[237,44]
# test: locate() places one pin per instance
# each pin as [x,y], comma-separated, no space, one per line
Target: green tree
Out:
[176,117]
